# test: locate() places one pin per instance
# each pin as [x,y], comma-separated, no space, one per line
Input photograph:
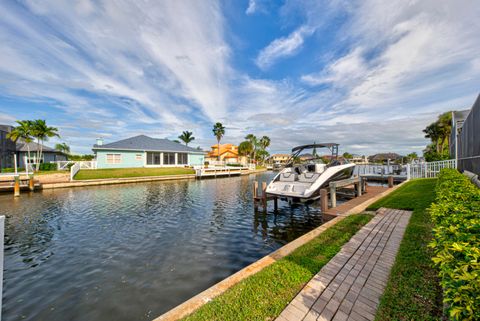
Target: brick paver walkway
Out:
[349,287]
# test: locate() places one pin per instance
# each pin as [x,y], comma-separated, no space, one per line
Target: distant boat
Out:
[301,182]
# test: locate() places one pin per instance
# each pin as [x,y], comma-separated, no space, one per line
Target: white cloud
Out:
[151,53]
[252,7]
[343,71]
[283,47]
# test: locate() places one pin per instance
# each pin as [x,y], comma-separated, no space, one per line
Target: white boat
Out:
[301,182]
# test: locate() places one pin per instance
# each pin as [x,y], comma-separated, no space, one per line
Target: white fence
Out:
[74,170]
[63,165]
[430,169]
[81,165]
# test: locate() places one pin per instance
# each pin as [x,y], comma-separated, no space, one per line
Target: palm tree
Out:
[218,131]
[42,133]
[412,156]
[433,132]
[186,137]
[254,141]
[63,147]
[264,142]
[245,148]
[445,123]
[24,132]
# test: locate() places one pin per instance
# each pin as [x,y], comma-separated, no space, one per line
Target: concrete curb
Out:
[209,294]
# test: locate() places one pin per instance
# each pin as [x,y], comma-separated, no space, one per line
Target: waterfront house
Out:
[145,151]
[48,154]
[228,153]
[279,158]
[358,159]
[8,148]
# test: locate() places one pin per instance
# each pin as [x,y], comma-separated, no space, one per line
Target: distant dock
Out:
[216,171]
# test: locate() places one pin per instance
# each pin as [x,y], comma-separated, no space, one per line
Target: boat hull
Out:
[301,197]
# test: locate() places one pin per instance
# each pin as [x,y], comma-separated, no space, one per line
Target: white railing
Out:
[81,165]
[74,170]
[429,169]
[87,164]
[63,165]
[381,169]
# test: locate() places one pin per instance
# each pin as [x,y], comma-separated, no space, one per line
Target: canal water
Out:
[132,252]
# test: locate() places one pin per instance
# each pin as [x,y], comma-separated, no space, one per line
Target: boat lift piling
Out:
[18,181]
[263,198]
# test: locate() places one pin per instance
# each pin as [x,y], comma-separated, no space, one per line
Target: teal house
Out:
[145,151]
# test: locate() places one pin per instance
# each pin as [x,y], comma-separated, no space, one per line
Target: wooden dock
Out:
[371,192]
[384,178]
[16,183]
[220,171]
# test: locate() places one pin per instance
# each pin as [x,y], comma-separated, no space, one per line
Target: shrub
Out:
[456,243]
[235,165]
[12,170]
[48,167]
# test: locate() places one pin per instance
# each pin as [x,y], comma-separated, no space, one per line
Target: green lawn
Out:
[413,291]
[131,172]
[265,294]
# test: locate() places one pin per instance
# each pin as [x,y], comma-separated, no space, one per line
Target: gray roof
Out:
[145,143]
[6,128]
[22,147]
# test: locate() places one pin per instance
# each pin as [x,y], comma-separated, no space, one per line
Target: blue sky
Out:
[367,74]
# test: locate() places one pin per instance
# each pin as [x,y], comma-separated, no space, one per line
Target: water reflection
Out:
[132,252]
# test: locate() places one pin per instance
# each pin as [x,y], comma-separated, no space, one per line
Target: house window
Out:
[138,157]
[153,158]
[169,158]
[182,159]
[114,158]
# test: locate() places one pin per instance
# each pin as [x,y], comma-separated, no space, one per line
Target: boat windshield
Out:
[307,154]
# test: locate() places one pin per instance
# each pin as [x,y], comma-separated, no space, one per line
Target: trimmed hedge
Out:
[48,167]
[456,243]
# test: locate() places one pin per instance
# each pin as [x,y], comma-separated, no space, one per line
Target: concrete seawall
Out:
[113,181]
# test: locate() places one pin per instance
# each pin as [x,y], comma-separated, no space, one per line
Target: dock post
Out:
[275,203]
[16,186]
[255,194]
[390,181]
[264,196]
[31,183]
[323,200]
[358,185]
[333,195]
